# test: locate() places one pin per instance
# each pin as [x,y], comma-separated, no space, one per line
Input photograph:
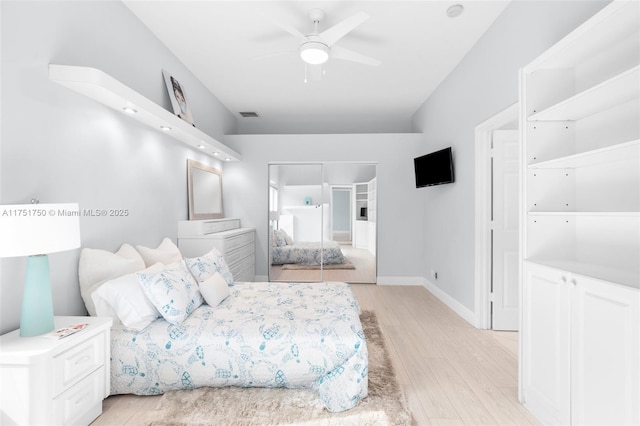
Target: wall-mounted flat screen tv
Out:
[435,168]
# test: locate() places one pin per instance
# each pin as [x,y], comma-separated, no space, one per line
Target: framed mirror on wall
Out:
[316,228]
[204,184]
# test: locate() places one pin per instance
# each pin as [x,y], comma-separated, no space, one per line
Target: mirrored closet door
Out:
[322,222]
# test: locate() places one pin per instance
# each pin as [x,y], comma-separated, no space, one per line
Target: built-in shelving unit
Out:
[610,93]
[105,89]
[362,196]
[580,115]
[607,154]
[372,200]
[581,136]
[364,226]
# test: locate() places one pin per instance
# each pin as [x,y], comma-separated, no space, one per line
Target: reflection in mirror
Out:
[322,221]
[205,191]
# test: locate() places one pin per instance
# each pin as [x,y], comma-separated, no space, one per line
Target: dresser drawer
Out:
[213,227]
[238,254]
[71,366]
[232,243]
[82,402]
[191,228]
[244,264]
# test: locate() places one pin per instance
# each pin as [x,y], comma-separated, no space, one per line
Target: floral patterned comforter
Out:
[293,335]
[308,253]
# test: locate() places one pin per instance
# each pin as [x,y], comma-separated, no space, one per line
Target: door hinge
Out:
[492,297]
[491,224]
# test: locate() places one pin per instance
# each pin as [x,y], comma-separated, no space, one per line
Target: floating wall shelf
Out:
[105,89]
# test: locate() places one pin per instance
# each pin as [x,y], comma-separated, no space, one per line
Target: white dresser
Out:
[236,244]
[57,382]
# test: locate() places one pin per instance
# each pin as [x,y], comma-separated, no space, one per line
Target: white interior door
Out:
[505,196]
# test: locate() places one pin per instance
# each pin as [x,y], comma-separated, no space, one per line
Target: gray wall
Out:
[399,215]
[485,83]
[59,146]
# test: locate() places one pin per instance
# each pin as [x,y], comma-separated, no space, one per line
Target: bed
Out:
[285,250]
[291,335]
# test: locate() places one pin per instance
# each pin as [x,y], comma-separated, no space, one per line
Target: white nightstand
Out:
[55,382]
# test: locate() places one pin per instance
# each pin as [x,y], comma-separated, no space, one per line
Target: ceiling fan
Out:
[316,48]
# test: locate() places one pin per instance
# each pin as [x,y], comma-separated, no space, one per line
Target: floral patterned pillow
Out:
[173,291]
[205,266]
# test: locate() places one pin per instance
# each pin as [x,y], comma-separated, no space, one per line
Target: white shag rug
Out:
[385,404]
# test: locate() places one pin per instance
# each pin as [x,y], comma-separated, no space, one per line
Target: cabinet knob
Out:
[573,282]
[563,279]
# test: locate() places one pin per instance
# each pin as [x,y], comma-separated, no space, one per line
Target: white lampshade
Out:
[31,229]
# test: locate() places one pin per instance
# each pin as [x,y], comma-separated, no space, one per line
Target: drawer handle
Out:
[82,360]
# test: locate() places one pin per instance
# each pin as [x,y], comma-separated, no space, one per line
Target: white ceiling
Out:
[250,64]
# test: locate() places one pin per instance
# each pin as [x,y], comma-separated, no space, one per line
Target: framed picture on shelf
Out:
[178,98]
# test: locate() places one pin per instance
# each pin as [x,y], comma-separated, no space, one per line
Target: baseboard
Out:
[452,303]
[261,278]
[400,281]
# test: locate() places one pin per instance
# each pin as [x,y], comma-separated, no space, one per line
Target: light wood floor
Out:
[364,272]
[451,373]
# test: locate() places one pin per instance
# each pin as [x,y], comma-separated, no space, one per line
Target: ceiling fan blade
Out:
[340,29]
[338,52]
[291,30]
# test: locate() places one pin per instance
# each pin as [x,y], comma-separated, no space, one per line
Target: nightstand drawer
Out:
[71,366]
[81,403]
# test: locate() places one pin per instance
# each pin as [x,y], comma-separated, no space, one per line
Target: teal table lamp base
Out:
[37,303]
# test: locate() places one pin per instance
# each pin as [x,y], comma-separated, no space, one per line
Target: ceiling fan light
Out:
[314,53]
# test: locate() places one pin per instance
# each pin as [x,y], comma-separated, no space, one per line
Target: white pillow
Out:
[214,289]
[98,266]
[172,290]
[279,237]
[205,266]
[287,237]
[167,252]
[123,299]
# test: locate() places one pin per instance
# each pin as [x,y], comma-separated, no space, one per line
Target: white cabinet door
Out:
[604,345]
[362,234]
[545,345]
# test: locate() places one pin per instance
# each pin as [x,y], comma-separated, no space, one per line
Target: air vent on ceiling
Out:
[249,114]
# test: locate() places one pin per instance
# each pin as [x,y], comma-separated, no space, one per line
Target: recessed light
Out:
[227,159]
[165,128]
[455,11]
[130,110]
[216,153]
[201,146]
